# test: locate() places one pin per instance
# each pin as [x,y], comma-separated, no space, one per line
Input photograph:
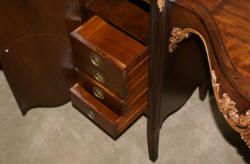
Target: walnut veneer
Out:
[223,28]
[189,40]
[112,69]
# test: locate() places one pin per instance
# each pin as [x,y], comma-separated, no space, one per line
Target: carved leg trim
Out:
[239,122]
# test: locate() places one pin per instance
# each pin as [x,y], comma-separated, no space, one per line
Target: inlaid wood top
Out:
[227,23]
[233,21]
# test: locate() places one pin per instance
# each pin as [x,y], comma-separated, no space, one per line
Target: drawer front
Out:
[90,61]
[103,116]
[101,93]
[94,110]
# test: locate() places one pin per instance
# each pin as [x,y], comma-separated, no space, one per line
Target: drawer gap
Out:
[122,14]
[105,118]
[143,4]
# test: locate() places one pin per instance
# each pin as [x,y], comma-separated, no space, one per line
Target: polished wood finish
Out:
[230,69]
[38,64]
[105,117]
[173,77]
[119,54]
[233,22]
[215,25]
[230,37]
[111,100]
[124,15]
[37,58]
[138,79]
[158,40]
[121,86]
[86,102]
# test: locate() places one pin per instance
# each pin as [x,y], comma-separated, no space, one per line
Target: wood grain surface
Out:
[104,117]
[38,64]
[233,21]
[227,25]
[223,27]
[124,15]
[121,55]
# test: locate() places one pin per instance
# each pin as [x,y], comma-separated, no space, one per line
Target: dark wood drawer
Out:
[108,55]
[102,115]
[105,96]
[108,98]
[112,70]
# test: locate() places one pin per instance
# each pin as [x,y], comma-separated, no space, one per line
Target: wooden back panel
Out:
[38,65]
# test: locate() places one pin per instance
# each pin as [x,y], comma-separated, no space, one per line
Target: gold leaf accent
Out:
[239,122]
[161,4]
[177,36]
[246,138]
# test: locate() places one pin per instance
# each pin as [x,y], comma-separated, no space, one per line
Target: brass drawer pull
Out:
[99,76]
[91,114]
[98,93]
[96,60]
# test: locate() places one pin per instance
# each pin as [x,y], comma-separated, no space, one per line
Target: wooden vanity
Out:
[223,29]
[116,60]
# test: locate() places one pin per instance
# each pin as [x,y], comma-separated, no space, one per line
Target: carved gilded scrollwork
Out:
[161,4]
[246,138]
[240,122]
[179,34]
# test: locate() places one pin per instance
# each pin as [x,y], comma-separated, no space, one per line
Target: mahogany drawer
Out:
[108,98]
[101,49]
[105,96]
[102,115]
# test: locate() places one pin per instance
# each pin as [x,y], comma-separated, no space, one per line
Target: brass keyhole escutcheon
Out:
[98,93]
[98,76]
[91,114]
[96,60]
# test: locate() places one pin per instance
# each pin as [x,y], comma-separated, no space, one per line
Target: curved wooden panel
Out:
[232,102]
[237,73]
[173,77]
[233,22]
[36,52]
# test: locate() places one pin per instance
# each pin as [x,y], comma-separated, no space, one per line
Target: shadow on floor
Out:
[228,133]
